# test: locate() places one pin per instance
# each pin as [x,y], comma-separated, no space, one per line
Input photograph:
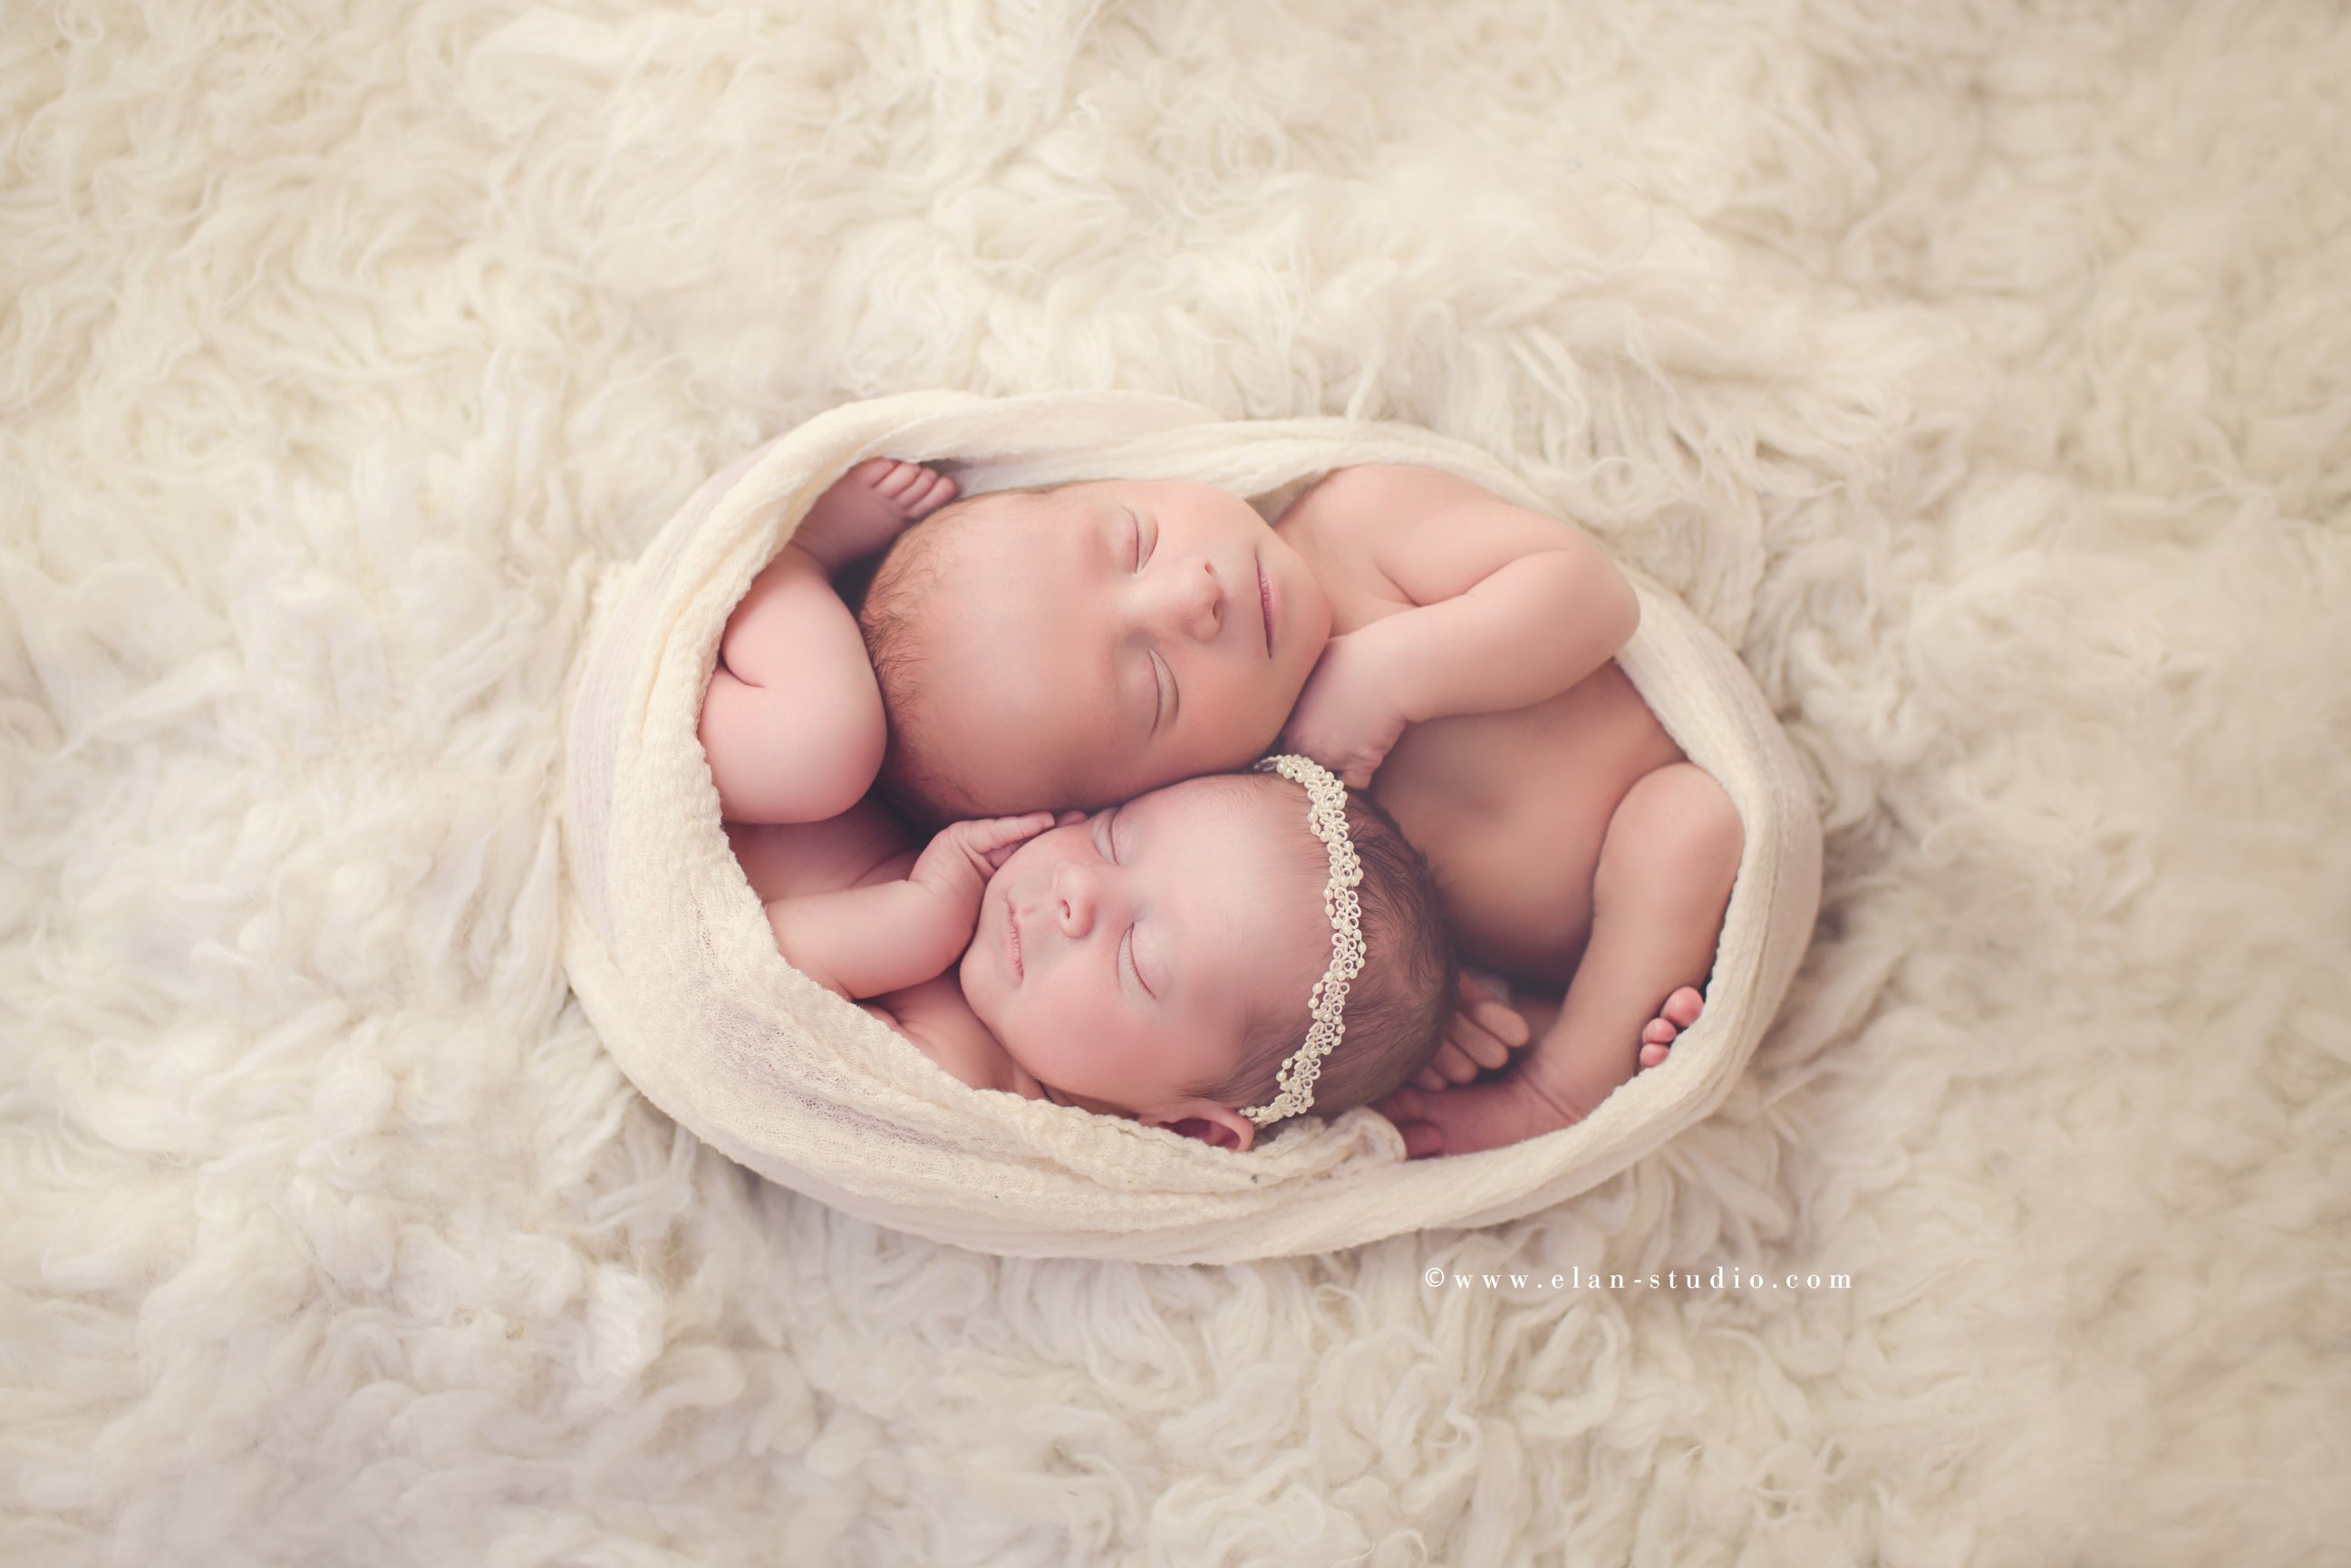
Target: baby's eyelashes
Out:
[1163,691]
[1126,956]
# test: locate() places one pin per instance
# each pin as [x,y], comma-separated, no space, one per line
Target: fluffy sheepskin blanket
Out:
[2009,343]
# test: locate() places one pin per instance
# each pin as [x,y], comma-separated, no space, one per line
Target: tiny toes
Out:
[1658,1031]
[909,487]
[1653,1054]
[1683,1006]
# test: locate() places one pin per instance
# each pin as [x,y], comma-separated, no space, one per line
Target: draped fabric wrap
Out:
[671,957]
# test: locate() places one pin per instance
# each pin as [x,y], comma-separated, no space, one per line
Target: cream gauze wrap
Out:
[671,956]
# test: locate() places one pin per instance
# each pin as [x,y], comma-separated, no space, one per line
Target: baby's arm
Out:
[1510,608]
[792,722]
[889,936]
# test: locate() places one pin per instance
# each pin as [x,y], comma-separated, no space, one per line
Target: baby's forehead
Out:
[998,515]
[995,544]
[1218,810]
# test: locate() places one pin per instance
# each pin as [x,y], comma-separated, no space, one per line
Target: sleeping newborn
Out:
[1214,957]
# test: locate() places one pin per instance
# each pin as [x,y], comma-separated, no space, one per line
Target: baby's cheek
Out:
[1244,725]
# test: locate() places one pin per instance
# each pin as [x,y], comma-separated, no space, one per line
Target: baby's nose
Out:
[1074,899]
[1190,603]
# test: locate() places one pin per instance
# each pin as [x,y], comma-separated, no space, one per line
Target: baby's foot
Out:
[869,505]
[1471,1116]
[1657,1036]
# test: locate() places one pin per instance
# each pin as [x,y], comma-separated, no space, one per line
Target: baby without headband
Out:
[1326,813]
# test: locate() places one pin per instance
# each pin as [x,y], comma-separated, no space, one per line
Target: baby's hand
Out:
[1482,1035]
[1347,718]
[959,859]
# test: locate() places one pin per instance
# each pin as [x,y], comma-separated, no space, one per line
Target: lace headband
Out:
[1326,813]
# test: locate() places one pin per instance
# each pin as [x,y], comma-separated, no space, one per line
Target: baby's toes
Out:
[878,475]
[1658,1031]
[1682,1008]
[936,492]
[1653,1054]
[915,491]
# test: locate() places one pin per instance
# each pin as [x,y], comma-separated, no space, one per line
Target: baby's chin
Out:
[985,990]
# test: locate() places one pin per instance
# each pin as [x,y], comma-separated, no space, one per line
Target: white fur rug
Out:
[2005,348]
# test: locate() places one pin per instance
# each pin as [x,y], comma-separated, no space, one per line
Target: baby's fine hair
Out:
[1396,1008]
[890,615]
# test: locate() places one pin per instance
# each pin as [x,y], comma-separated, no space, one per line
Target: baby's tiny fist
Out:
[996,838]
[1346,718]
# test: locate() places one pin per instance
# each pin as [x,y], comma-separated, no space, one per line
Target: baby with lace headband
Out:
[1449,653]
[1214,957]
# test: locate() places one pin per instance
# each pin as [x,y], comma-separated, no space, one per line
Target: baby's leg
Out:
[792,721]
[1665,875]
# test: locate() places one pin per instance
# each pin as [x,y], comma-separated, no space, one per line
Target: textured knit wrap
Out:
[673,958]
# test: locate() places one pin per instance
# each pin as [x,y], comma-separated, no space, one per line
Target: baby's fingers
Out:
[996,837]
[1491,1020]
[1479,1046]
[1450,1065]
[1485,1023]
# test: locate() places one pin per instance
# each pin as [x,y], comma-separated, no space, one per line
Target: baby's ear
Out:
[1211,1124]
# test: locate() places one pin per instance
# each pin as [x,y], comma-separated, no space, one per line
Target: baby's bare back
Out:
[1511,810]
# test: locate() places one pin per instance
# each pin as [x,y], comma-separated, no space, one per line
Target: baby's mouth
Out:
[1265,607]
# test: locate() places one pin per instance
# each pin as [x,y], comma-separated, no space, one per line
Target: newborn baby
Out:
[1080,645]
[1214,957]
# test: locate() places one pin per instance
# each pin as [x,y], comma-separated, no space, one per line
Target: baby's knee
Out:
[800,753]
[1677,828]
[844,744]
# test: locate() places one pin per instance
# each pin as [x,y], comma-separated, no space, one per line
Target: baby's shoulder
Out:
[1372,497]
[1348,527]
